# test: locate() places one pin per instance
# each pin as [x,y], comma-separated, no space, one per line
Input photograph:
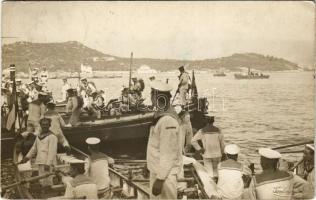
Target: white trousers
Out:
[183,95]
[169,187]
[45,181]
[211,166]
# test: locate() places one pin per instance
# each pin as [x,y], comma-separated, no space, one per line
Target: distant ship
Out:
[251,75]
[219,73]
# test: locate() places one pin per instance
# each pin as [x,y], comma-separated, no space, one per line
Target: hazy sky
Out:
[182,30]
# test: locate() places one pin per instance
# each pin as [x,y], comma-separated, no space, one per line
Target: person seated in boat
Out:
[97,105]
[97,168]
[306,171]
[36,110]
[80,186]
[273,183]
[23,146]
[57,122]
[230,183]
[213,146]
[45,149]
[88,87]
[73,106]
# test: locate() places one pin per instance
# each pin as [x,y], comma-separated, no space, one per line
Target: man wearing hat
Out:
[164,157]
[81,186]
[272,183]
[230,183]
[57,122]
[45,149]
[98,169]
[88,87]
[213,146]
[306,171]
[183,86]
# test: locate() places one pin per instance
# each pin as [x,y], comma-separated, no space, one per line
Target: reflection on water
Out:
[252,113]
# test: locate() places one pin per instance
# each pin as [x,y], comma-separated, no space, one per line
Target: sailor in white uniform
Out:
[98,169]
[230,183]
[272,183]
[81,186]
[164,156]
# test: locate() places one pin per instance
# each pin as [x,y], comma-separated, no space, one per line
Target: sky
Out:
[180,30]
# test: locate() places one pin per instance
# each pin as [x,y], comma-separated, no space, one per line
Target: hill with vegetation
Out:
[68,56]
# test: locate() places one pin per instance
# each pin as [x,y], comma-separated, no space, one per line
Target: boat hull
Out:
[241,76]
[127,135]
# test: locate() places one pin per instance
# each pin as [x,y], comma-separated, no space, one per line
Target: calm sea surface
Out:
[252,113]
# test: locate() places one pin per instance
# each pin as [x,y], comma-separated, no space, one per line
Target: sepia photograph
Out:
[158,100]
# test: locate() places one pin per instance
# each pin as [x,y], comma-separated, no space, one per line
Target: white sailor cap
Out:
[93,140]
[311,146]
[76,161]
[18,80]
[82,79]
[160,86]
[43,93]
[52,102]
[178,109]
[269,153]
[232,149]
[30,82]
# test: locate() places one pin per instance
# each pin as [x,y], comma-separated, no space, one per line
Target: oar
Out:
[285,152]
[27,180]
[174,97]
[293,145]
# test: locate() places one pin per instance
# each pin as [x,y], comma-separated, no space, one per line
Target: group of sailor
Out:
[165,151]
[87,179]
[171,136]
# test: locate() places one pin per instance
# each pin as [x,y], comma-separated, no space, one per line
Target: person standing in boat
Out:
[74,105]
[45,149]
[164,156]
[81,186]
[230,183]
[57,122]
[44,76]
[272,183]
[36,111]
[64,89]
[213,146]
[98,167]
[186,127]
[183,86]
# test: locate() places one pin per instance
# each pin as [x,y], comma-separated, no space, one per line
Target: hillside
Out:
[68,56]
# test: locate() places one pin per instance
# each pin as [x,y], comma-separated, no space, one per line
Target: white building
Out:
[145,69]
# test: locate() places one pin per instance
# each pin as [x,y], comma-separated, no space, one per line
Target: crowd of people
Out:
[165,151]
[170,138]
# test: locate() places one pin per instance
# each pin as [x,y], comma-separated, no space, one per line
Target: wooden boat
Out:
[128,179]
[128,133]
[219,74]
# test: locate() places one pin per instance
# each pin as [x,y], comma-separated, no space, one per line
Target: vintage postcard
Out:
[166,99]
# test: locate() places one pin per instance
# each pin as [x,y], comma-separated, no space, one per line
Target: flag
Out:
[11,118]
[194,92]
